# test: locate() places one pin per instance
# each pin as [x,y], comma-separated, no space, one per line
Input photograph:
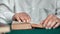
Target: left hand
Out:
[51,21]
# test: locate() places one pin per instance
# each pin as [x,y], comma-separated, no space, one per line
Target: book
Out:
[37,25]
[19,26]
[4,28]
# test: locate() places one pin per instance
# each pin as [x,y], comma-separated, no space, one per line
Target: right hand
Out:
[22,17]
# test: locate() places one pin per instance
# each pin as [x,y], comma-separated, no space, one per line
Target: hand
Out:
[22,17]
[51,22]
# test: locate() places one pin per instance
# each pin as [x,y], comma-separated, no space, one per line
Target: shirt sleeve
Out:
[58,8]
[6,11]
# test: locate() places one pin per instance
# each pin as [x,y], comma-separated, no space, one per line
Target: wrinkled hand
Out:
[22,17]
[51,22]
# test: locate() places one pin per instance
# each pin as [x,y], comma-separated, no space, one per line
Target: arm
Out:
[6,12]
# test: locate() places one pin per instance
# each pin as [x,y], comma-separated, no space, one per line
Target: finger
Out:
[56,25]
[18,19]
[48,24]
[27,18]
[42,22]
[22,19]
[21,16]
[14,18]
[47,19]
[53,23]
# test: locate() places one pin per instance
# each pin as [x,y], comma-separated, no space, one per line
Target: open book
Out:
[18,26]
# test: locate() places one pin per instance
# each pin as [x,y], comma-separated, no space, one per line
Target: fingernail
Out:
[27,21]
[53,27]
[46,27]
[19,21]
[49,28]
[24,20]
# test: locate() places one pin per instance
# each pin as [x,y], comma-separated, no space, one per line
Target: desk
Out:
[36,31]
